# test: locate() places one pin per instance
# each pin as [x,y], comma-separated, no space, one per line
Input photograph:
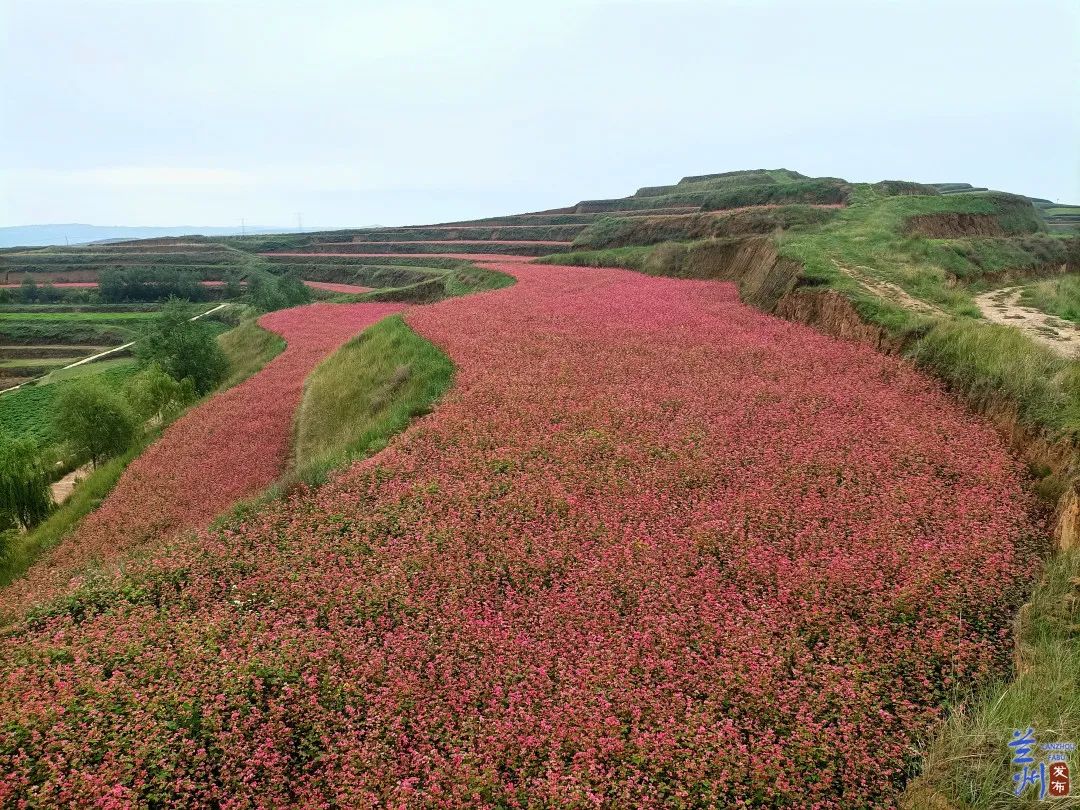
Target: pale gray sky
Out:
[148,112]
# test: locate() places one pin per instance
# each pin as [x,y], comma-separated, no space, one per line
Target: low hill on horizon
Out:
[77,233]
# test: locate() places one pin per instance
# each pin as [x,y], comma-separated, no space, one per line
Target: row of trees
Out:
[180,361]
[133,284]
[144,284]
[30,292]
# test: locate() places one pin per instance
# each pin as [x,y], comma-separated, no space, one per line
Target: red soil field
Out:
[466,257]
[229,448]
[330,286]
[654,549]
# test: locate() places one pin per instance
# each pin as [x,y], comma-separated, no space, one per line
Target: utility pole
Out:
[242,232]
[299,222]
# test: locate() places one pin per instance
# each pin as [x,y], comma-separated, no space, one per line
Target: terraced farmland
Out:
[207,260]
[654,542]
[655,547]
[231,447]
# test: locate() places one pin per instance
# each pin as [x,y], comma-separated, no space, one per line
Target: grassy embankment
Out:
[967,763]
[373,386]
[363,394]
[1059,297]
[248,347]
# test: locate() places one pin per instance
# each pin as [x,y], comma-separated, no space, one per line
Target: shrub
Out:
[154,394]
[24,482]
[183,348]
[96,421]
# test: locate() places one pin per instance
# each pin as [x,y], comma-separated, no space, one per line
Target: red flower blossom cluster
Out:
[655,549]
[229,448]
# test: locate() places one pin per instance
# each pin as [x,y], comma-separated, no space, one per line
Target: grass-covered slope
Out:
[364,393]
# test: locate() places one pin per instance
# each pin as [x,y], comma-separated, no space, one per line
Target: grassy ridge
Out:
[248,348]
[968,761]
[1059,297]
[364,393]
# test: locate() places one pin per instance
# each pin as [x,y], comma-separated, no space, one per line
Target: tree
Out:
[50,293]
[292,290]
[25,497]
[154,394]
[263,294]
[232,287]
[28,290]
[94,419]
[183,348]
[111,285]
[283,291]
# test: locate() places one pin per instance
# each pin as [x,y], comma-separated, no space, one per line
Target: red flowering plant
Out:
[655,549]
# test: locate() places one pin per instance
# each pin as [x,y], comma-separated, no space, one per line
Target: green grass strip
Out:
[363,394]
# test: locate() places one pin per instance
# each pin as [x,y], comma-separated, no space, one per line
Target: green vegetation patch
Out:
[27,412]
[87,496]
[367,391]
[987,361]
[969,761]
[1060,296]
[868,237]
[248,348]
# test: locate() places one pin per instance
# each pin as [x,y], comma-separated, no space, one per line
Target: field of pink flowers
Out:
[229,448]
[655,549]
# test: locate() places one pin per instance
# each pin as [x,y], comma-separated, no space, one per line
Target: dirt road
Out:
[1003,307]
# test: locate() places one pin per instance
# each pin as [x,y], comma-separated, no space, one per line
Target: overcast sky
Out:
[148,112]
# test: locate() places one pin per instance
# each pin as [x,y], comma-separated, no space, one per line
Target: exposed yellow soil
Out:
[62,489]
[1003,306]
[889,291]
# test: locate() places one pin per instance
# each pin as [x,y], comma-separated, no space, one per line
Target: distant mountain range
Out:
[75,233]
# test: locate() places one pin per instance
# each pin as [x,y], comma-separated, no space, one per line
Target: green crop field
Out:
[28,411]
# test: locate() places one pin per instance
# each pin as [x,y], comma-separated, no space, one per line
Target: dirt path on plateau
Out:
[62,489]
[888,290]
[1003,306]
